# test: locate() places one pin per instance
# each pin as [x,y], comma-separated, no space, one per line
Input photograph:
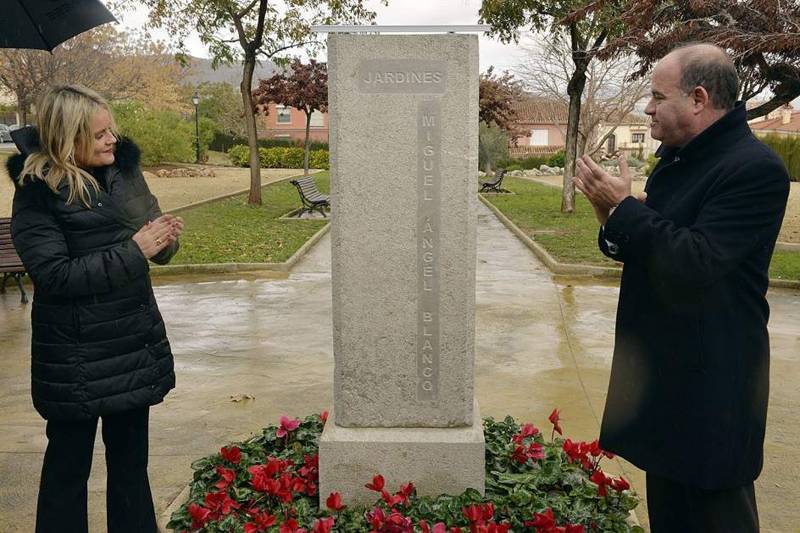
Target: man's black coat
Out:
[689,383]
[99,344]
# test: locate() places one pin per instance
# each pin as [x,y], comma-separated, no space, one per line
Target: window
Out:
[637,138]
[317,119]
[539,138]
[284,115]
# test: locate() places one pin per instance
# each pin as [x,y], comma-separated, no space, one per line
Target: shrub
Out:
[788,149]
[533,482]
[511,168]
[162,135]
[270,157]
[279,157]
[492,146]
[293,158]
[635,162]
[319,159]
[652,161]
[557,159]
[533,162]
[240,155]
[223,142]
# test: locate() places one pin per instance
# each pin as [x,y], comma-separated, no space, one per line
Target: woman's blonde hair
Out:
[65,116]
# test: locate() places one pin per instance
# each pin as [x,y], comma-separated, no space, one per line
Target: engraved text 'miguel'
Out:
[402,76]
[429,208]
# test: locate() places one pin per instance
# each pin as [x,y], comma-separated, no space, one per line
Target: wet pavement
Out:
[540,343]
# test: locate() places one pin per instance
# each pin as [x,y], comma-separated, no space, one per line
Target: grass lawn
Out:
[218,158]
[535,209]
[231,231]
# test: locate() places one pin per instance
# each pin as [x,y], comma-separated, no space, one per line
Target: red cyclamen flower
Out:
[263,521]
[377,483]
[324,416]
[287,426]
[232,454]
[227,475]
[289,526]
[323,525]
[488,511]
[200,515]
[602,482]
[620,484]
[334,502]
[554,418]
[535,451]
[473,512]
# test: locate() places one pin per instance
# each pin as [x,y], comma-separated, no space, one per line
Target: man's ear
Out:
[701,99]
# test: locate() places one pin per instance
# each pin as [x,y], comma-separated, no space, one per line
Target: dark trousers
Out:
[678,508]
[68,460]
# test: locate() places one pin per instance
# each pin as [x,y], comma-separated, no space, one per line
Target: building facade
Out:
[543,125]
[284,122]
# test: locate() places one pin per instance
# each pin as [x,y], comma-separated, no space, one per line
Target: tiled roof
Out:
[776,124]
[523,150]
[545,111]
[541,111]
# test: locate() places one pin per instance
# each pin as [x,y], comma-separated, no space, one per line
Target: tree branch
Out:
[243,13]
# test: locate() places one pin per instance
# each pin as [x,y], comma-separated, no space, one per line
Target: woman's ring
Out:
[159,242]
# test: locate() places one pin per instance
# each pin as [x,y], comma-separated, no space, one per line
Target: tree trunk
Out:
[487,160]
[583,142]
[252,132]
[574,90]
[308,141]
[22,111]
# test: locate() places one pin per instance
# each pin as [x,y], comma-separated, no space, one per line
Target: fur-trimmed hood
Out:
[126,155]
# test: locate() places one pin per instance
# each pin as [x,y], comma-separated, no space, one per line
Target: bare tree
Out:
[545,68]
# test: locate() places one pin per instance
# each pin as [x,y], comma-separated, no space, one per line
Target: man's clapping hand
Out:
[158,234]
[603,190]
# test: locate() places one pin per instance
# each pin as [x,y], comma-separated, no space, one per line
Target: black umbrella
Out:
[44,24]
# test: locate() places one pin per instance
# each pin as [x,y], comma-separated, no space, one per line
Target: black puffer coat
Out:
[99,343]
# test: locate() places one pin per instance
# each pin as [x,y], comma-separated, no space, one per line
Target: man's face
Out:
[671,110]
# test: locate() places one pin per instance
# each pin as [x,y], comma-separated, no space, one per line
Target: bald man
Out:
[687,399]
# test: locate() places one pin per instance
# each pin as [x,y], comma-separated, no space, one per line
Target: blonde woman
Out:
[85,225]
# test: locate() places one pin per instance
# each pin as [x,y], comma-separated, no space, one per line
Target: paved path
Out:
[540,343]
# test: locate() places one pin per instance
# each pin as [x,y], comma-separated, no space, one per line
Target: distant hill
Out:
[228,74]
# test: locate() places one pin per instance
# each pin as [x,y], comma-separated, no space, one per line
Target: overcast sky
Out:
[404,12]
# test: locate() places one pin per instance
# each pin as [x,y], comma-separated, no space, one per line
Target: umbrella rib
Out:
[37,26]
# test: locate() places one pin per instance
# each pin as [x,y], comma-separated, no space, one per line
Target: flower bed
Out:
[269,483]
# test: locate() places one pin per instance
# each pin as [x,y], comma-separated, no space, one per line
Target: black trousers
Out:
[678,508]
[63,491]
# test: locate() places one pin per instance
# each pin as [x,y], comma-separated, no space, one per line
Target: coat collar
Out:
[126,155]
[732,125]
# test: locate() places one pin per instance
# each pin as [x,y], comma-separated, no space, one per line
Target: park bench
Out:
[493,184]
[312,199]
[10,264]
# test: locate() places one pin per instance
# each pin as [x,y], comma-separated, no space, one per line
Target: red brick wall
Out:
[269,127]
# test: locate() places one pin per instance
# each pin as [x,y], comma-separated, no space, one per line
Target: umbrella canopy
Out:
[44,24]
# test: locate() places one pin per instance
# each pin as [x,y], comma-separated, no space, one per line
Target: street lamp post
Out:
[196,102]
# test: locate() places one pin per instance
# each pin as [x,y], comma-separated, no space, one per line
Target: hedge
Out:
[279,157]
[788,148]
[222,142]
